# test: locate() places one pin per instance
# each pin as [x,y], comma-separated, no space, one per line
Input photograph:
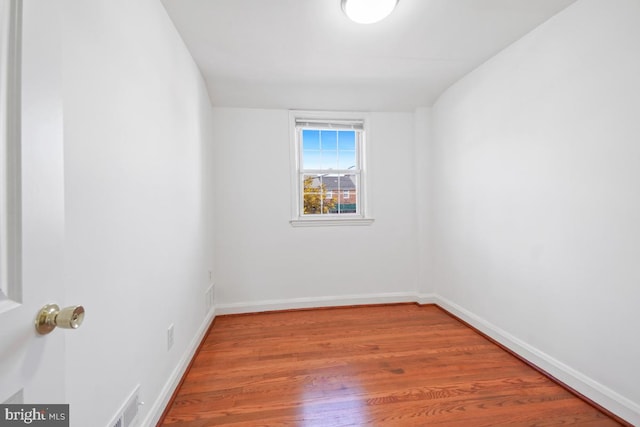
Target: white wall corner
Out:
[600,394]
[158,407]
[423,177]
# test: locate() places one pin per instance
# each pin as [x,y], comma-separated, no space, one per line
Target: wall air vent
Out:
[127,415]
[131,409]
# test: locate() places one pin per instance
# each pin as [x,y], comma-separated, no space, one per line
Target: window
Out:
[328,152]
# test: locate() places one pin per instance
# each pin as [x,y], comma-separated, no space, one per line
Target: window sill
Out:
[315,222]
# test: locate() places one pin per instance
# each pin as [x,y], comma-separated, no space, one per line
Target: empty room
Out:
[320,212]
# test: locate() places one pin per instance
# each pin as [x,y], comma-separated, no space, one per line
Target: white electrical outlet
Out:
[170,337]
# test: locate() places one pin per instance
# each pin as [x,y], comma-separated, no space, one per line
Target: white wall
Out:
[537,187]
[262,262]
[137,124]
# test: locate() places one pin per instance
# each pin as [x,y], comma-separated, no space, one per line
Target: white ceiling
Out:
[306,54]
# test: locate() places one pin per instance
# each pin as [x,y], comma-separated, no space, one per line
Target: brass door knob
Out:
[51,316]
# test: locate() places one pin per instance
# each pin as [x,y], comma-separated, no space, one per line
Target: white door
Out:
[32,366]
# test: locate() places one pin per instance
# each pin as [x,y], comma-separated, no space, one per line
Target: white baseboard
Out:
[331,301]
[423,299]
[600,394]
[154,414]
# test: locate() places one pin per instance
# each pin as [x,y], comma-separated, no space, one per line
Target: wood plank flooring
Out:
[395,365]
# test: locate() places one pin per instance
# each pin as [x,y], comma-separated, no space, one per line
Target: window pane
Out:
[329,139]
[311,159]
[312,184]
[347,159]
[347,140]
[329,159]
[311,154]
[344,200]
[349,206]
[315,195]
[347,150]
[348,182]
[310,139]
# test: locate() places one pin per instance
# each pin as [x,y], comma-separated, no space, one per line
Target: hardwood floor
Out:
[397,365]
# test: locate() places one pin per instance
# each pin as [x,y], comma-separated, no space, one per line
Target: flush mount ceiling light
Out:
[368,11]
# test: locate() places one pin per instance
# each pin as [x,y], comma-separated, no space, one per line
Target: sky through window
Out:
[328,149]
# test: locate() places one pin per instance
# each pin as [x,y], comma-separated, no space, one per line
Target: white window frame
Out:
[363,193]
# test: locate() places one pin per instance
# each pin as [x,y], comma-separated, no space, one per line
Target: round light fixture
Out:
[368,11]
